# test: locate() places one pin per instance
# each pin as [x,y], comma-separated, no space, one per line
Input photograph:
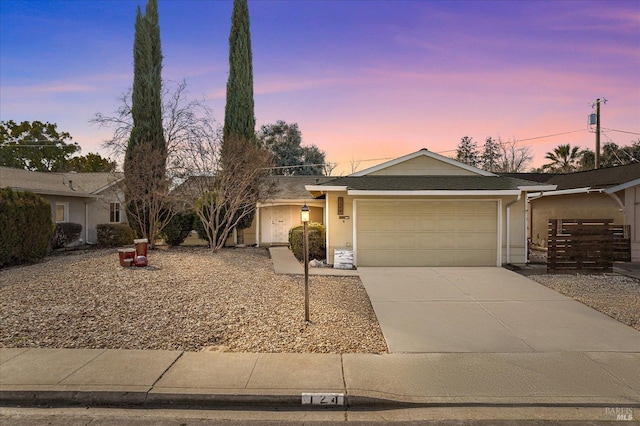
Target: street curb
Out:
[149,399]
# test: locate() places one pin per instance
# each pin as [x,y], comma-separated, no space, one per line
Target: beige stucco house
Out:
[607,193]
[424,209]
[85,198]
[277,215]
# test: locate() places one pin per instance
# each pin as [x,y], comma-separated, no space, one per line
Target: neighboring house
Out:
[85,198]
[425,209]
[607,193]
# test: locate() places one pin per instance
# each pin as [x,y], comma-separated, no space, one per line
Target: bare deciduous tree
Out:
[146,193]
[223,195]
[355,164]
[185,121]
[328,168]
[512,159]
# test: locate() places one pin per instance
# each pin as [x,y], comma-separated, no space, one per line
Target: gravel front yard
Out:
[187,299]
[614,295]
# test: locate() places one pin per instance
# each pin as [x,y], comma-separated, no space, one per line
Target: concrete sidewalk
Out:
[207,379]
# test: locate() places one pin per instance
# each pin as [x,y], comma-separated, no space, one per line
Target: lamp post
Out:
[304,215]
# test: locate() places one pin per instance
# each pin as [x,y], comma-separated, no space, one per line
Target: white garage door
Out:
[426,233]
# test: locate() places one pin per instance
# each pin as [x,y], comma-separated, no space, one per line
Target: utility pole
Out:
[597,160]
[597,156]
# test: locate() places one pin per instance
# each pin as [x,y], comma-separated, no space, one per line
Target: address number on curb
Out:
[323,398]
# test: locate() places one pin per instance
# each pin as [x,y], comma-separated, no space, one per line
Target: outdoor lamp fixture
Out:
[304,216]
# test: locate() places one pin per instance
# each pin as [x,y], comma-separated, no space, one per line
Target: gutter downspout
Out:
[86,223]
[257,225]
[508,206]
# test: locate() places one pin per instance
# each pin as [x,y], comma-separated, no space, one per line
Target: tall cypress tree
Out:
[145,157]
[239,118]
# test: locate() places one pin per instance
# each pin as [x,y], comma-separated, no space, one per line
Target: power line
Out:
[621,131]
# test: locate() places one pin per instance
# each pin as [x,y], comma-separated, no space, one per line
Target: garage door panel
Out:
[427,233]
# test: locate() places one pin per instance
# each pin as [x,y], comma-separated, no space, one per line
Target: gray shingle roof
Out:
[429,183]
[598,178]
[71,184]
[293,187]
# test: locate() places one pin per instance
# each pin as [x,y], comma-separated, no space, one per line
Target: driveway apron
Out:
[457,309]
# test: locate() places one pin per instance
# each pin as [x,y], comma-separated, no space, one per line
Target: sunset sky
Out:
[364,80]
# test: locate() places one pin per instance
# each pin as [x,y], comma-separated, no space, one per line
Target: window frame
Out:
[65,212]
[115,212]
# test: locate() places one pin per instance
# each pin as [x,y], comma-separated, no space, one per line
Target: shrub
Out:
[178,228]
[65,233]
[317,241]
[115,234]
[25,221]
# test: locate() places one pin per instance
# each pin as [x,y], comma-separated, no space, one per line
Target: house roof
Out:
[67,184]
[595,179]
[429,183]
[284,187]
[293,187]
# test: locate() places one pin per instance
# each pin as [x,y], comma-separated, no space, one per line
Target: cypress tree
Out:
[239,118]
[145,157]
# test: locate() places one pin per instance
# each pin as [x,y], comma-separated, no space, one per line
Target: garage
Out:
[426,233]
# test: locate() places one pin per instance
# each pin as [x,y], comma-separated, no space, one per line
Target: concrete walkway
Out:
[166,379]
[284,262]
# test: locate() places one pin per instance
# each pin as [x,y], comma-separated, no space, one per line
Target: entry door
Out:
[280,224]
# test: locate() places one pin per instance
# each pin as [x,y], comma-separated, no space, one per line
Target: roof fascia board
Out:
[622,186]
[456,193]
[57,193]
[426,153]
[323,188]
[585,190]
[290,202]
[538,188]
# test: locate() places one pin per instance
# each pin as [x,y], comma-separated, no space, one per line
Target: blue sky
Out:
[363,79]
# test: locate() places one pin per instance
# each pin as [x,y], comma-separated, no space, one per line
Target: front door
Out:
[280,224]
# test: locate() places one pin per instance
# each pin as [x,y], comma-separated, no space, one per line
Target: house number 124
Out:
[323,398]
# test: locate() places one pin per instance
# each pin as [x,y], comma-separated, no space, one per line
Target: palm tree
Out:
[564,159]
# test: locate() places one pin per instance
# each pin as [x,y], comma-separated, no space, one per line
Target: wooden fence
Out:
[621,243]
[580,245]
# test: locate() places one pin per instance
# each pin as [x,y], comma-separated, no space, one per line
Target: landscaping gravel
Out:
[614,295]
[187,299]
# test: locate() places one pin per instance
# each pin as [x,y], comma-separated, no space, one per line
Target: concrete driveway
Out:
[485,310]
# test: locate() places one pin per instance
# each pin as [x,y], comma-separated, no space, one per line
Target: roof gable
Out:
[423,163]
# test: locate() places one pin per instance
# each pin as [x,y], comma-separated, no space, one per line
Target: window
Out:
[114,212]
[62,212]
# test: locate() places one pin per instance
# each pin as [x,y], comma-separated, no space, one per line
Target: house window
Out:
[62,212]
[114,213]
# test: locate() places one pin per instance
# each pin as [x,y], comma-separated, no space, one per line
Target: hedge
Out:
[65,233]
[317,241]
[177,229]
[115,234]
[25,221]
